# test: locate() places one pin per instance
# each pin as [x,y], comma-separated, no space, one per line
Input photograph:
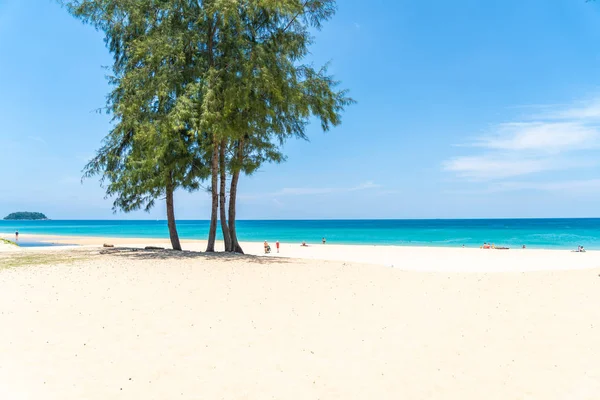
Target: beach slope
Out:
[157,325]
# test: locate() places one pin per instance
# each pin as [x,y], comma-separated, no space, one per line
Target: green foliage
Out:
[150,149]
[24,215]
[8,242]
[193,77]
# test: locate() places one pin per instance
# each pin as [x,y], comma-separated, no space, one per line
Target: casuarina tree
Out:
[230,76]
[150,152]
[268,93]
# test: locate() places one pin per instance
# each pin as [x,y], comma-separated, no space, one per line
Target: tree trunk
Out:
[235,177]
[214,165]
[214,169]
[171,217]
[235,245]
[223,198]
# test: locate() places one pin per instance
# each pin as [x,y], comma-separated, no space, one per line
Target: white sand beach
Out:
[431,259]
[6,247]
[338,324]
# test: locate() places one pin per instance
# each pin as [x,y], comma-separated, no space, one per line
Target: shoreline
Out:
[408,258]
[542,233]
[94,238]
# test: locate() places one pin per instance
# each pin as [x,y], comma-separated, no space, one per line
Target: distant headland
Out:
[26,216]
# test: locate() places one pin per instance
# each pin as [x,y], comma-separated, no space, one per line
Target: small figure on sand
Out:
[580,249]
[303,244]
[267,248]
[324,240]
[277,245]
[17,235]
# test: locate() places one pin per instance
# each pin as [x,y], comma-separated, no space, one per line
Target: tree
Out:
[268,94]
[150,152]
[229,73]
[141,166]
[25,215]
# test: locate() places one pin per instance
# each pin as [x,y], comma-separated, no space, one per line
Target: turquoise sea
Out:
[534,233]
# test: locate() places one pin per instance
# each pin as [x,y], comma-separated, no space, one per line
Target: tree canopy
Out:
[205,91]
[26,215]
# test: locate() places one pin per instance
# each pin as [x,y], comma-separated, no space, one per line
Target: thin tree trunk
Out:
[223,198]
[235,177]
[235,245]
[171,217]
[214,167]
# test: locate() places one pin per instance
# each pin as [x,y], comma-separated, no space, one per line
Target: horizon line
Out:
[312,219]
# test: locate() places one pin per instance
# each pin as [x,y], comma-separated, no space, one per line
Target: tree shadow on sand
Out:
[167,254]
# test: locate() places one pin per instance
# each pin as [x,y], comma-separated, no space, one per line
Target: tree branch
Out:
[295,16]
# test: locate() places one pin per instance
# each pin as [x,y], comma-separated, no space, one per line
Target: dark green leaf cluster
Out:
[206,88]
[24,215]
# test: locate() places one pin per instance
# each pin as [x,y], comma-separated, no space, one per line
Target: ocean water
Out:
[534,233]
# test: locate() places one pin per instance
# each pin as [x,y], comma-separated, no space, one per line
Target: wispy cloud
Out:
[554,140]
[308,191]
[572,186]
[326,190]
[551,137]
[494,167]
[38,139]
[586,110]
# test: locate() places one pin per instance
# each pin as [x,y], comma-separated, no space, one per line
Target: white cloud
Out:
[573,186]
[307,191]
[582,111]
[552,137]
[553,141]
[327,190]
[494,167]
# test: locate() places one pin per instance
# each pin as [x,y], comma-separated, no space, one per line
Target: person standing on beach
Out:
[324,241]
[277,245]
[17,235]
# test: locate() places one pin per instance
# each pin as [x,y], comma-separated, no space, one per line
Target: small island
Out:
[26,216]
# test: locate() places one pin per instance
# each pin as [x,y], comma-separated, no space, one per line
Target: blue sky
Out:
[466,109]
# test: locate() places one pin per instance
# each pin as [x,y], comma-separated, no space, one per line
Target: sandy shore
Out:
[432,259]
[5,247]
[307,323]
[77,324]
